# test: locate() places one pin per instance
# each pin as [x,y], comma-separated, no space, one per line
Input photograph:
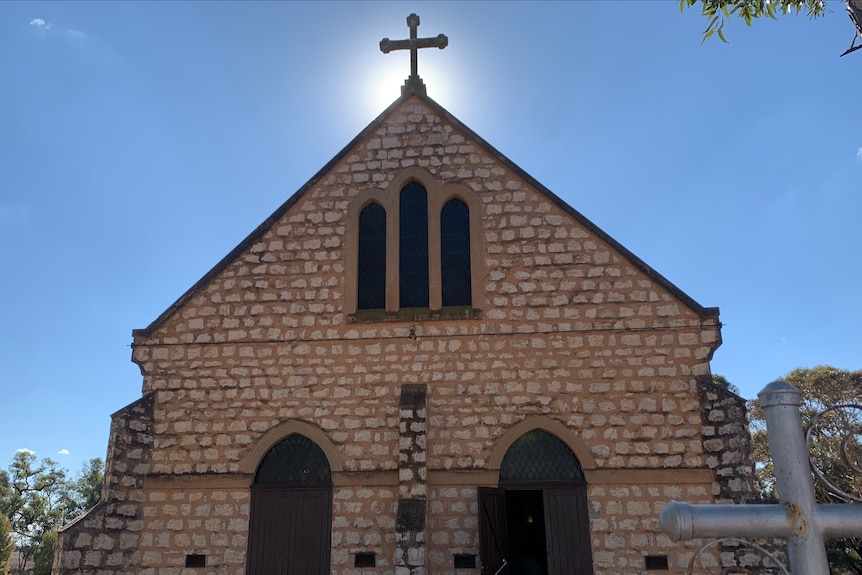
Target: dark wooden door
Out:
[290,531]
[567,531]
[492,529]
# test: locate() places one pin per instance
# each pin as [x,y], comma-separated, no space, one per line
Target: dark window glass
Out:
[413,247]
[539,457]
[295,460]
[371,275]
[455,253]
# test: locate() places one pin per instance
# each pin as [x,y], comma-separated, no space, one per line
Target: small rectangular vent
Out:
[196,560]
[364,560]
[656,562]
[465,561]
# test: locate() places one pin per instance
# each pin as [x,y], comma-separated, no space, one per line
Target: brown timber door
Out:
[567,528]
[492,530]
[290,534]
[290,519]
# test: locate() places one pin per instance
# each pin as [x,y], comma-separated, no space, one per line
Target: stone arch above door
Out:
[552,426]
[255,455]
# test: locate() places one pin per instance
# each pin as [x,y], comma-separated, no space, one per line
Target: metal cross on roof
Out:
[413,44]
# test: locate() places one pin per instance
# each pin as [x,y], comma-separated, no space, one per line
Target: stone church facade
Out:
[423,362]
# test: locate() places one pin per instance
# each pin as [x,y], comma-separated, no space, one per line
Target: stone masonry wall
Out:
[107,538]
[572,330]
[727,442]
[212,522]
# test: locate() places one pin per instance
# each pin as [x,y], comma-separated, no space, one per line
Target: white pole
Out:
[805,550]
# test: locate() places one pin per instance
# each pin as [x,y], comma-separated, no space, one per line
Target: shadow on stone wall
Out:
[106,539]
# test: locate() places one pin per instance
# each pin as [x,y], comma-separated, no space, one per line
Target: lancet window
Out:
[371,281]
[413,246]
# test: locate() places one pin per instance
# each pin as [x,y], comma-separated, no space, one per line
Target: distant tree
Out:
[35,498]
[823,387]
[43,556]
[749,10]
[721,381]
[7,544]
[87,487]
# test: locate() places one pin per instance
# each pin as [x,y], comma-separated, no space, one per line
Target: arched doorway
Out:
[290,521]
[537,521]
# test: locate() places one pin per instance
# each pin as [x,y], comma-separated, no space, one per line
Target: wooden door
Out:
[290,531]
[492,530]
[567,531]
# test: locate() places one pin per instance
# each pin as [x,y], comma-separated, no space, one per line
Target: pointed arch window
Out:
[371,273]
[413,246]
[414,251]
[455,253]
[295,460]
[539,457]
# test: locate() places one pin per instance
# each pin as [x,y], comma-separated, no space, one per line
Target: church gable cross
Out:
[413,83]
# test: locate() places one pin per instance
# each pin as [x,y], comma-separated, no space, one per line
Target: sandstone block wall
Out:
[107,539]
[572,330]
[726,440]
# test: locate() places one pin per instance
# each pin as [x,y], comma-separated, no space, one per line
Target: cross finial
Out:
[414,82]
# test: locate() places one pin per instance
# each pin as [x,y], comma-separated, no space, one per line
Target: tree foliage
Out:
[38,497]
[834,447]
[749,10]
[88,486]
[43,557]
[721,381]
[7,544]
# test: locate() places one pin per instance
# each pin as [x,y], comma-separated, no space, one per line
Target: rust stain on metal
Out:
[796,517]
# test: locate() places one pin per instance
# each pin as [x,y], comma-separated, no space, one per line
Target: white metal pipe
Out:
[840,520]
[682,521]
[805,550]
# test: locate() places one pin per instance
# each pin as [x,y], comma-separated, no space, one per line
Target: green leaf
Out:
[721,35]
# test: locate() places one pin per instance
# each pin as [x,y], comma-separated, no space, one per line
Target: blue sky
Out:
[140,142]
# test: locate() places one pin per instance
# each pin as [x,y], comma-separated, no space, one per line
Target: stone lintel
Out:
[491,477]
[244,481]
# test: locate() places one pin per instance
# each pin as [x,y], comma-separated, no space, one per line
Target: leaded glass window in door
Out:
[538,457]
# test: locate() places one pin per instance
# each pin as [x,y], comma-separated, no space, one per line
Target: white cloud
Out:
[859,152]
[70,34]
[63,452]
[40,24]
[25,450]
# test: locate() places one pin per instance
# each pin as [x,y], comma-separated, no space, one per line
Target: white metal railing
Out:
[798,518]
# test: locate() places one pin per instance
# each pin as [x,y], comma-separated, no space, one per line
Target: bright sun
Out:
[383,85]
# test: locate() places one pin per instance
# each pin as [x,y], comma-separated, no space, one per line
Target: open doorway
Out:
[537,521]
[525,522]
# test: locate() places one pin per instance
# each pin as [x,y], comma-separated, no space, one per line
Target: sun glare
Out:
[382,85]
